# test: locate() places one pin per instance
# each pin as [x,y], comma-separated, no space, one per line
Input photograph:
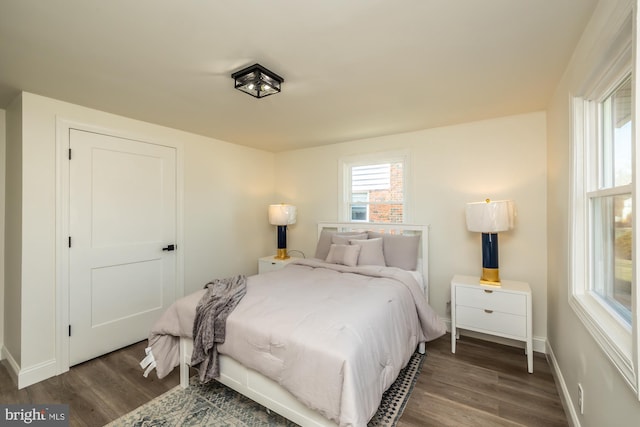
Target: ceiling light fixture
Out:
[257,81]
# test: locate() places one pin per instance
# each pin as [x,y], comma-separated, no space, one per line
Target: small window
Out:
[374,189]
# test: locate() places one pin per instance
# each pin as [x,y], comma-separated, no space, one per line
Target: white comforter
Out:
[336,337]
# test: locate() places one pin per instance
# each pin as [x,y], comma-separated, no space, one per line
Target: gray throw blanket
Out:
[217,303]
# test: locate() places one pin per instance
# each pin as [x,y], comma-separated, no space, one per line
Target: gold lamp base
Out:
[282,254]
[490,276]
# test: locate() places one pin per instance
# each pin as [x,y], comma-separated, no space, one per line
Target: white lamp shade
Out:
[282,214]
[490,216]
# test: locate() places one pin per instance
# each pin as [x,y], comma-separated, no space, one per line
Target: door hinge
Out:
[69,153]
[69,330]
[69,241]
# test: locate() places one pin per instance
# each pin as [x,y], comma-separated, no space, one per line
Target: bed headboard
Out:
[408,229]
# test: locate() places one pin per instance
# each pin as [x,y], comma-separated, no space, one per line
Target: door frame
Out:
[63,128]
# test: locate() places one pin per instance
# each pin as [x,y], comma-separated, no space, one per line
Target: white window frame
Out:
[612,333]
[344,180]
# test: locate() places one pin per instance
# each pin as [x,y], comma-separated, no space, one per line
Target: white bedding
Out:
[336,337]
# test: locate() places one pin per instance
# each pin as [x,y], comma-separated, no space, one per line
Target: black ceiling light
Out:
[257,81]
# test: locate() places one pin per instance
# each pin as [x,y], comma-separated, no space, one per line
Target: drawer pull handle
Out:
[488,311]
[488,291]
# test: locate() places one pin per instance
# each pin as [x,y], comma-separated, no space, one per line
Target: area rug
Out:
[214,404]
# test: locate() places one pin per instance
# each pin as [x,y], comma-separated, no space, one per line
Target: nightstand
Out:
[269,263]
[503,311]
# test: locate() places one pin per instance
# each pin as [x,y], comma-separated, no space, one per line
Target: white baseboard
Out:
[34,374]
[565,397]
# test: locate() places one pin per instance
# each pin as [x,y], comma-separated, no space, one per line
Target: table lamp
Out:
[490,218]
[282,215]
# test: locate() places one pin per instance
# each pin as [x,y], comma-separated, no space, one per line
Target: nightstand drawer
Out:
[485,320]
[490,299]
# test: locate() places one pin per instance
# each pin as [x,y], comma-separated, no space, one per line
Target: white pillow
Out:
[371,252]
[343,254]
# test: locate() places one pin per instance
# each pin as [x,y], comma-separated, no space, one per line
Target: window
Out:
[373,189]
[603,287]
[611,205]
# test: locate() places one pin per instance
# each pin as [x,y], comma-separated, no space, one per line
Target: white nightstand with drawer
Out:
[269,263]
[503,311]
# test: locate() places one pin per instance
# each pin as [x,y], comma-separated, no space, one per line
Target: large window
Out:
[373,189]
[603,268]
[611,204]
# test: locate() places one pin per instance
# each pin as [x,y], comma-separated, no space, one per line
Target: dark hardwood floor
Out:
[97,391]
[483,384]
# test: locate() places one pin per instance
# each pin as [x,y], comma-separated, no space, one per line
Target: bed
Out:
[319,364]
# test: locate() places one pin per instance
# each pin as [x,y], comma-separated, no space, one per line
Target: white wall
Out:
[226,192]
[450,166]
[608,400]
[2,173]
[13,238]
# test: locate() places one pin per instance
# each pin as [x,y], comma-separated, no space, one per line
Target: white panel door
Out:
[122,221]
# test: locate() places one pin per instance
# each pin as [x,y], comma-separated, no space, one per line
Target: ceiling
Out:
[353,69]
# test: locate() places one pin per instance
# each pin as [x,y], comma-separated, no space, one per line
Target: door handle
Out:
[170,248]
